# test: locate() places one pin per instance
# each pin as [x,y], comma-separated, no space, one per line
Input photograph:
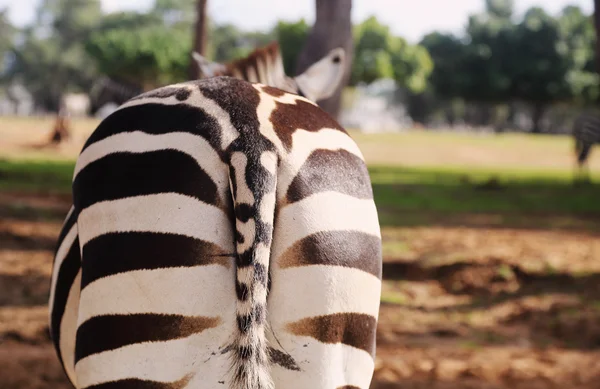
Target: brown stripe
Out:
[110,332]
[273,91]
[348,387]
[117,253]
[331,170]
[134,383]
[352,249]
[283,359]
[287,118]
[352,329]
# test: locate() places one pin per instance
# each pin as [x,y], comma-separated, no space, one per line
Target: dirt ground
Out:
[463,307]
[467,302]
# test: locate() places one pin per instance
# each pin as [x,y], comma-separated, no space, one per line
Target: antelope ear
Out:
[207,68]
[322,78]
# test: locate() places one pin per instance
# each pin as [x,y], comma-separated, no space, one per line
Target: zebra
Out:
[223,234]
[586,133]
[265,65]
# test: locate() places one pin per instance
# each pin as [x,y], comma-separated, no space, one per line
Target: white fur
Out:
[169,213]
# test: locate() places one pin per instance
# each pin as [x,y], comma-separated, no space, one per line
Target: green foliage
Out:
[577,40]
[175,13]
[227,42]
[224,43]
[379,54]
[7,33]
[448,54]
[291,37]
[151,57]
[53,45]
[540,74]
[540,58]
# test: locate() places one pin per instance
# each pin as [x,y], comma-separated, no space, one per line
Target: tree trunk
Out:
[332,28]
[60,132]
[538,113]
[199,38]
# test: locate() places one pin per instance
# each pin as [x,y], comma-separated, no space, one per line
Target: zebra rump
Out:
[223,234]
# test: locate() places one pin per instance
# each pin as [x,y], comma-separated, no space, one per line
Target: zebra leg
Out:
[64,294]
[583,152]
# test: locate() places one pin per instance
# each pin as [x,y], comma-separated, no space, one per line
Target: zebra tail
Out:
[253,185]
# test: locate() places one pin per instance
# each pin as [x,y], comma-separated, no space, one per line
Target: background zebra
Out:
[191,204]
[107,91]
[586,133]
[265,65]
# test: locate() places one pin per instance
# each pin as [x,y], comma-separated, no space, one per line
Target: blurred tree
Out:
[159,51]
[153,56]
[127,20]
[577,40]
[488,55]
[372,59]
[379,54]
[500,10]
[540,67]
[50,59]
[597,26]
[7,35]
[224,42]
[291,37]
[180,14]
[448,54]
[227,42]
[332,28]
[411,64]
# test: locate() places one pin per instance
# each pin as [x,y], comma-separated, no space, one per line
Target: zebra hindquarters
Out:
[157,300]
[63,303]
[326,267]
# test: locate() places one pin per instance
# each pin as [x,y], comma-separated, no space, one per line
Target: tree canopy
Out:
[499,58]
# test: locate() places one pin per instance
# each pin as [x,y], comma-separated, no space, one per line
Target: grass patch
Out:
[36,176]
[399,190]
[404,195]
[390,297]
[394,248]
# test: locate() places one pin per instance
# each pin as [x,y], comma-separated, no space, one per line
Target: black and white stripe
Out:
[586,133]
[223,235]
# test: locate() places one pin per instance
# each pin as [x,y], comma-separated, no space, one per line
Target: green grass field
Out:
[418,177]
[402,193]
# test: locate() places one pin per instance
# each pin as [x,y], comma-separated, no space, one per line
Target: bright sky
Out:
[410,19]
